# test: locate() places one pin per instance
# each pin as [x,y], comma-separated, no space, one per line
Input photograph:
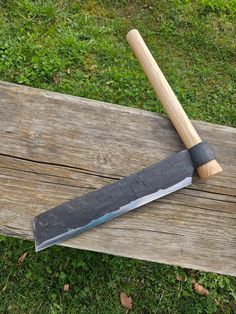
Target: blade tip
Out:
[38,248]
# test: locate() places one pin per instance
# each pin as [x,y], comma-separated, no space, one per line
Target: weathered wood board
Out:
[54,147]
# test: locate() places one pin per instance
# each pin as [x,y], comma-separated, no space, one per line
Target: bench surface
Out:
[54,147]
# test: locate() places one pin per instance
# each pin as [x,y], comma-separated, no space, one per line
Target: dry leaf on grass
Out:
[56,79]
[66,287]
[126,301]
[179,277]
[200,289]
[93,67]
[21,258]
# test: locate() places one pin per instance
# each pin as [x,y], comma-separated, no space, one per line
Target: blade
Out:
[83,213]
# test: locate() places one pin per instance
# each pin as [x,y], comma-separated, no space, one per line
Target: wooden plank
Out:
[54,147]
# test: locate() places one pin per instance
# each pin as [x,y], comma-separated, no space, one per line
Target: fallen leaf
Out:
[21,258]
[56,79]
[147,6]
[217,302]
[126,301]
[93,67]
[4,288]
[179,277]
[66,287]
[109,82]
[200,289]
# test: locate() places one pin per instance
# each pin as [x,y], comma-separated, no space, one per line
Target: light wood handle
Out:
[168,99]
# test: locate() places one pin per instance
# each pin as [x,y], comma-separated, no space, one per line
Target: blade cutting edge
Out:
[83,213]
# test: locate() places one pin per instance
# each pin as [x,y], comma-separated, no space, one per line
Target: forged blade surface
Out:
[85,212]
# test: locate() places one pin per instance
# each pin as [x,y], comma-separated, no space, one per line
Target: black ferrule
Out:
[201,153]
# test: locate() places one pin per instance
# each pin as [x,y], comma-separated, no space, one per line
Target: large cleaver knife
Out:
[83,213]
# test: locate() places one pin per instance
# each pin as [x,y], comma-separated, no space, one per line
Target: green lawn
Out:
[79,48]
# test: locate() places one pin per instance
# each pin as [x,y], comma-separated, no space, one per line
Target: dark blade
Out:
[83,213]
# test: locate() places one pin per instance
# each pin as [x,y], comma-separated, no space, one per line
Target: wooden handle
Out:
[168,99]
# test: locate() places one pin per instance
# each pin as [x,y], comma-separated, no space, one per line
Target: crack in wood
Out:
[145,230]
[208,191]
[87,171]
[208,198]
[193,206]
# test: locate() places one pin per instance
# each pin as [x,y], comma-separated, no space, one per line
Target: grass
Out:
[79,48]
[96,281]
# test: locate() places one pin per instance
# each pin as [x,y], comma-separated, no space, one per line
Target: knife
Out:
[167,176]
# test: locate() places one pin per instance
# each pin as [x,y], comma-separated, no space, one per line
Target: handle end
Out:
[132,32]
[209,169]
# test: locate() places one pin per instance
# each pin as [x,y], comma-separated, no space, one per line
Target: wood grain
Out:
[55,147]
[169,100]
